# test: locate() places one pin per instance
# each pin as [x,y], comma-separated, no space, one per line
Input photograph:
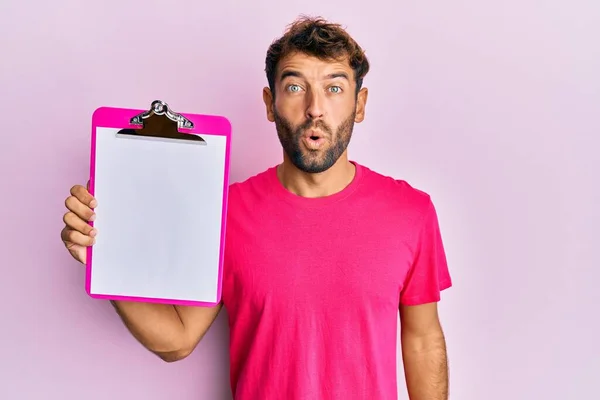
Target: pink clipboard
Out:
[161,181]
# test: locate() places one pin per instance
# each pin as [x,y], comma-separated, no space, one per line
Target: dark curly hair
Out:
[317,37]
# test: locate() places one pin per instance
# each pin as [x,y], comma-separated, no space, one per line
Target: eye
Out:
[294,88]
[335,89]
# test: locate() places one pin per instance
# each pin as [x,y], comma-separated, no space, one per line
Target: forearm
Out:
[156,326]
[425,366]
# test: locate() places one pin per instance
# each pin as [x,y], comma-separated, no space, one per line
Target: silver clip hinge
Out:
[159,107]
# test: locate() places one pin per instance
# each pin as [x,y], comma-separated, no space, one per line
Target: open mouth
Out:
[314,142]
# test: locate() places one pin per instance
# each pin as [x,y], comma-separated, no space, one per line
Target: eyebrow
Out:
[338,75]
[297,74]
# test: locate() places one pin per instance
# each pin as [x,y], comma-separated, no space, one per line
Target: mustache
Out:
[313,124]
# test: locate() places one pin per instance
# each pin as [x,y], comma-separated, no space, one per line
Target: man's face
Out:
[314,110]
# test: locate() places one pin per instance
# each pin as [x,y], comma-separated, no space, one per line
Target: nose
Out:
[314,107]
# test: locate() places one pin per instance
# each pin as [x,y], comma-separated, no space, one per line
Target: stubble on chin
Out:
[313,161]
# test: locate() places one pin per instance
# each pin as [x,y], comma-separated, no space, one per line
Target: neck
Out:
[326,183]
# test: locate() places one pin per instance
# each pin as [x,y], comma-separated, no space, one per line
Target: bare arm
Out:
[424,352]
[170,332]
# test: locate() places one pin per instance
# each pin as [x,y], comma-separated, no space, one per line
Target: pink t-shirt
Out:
[312,286]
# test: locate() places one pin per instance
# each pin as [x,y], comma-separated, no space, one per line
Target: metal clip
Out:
[159,107]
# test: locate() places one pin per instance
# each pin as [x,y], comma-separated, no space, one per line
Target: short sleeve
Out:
[429,273]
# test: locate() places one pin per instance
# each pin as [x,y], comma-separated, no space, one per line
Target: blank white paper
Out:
[159,216]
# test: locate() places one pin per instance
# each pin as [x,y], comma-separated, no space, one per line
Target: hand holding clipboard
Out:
[78,233]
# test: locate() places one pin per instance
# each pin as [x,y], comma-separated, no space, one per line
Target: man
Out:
[322,253]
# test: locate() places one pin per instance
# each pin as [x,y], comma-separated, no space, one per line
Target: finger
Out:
[74,205]
[71,236]
[73,221]
[83,195]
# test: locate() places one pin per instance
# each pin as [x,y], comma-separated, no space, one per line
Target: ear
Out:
[361,103]
[268,99]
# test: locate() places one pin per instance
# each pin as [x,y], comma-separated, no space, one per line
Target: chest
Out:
[291,261]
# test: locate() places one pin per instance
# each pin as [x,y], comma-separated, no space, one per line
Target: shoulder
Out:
[252,189]
[257,181]
[396,203]
[395,191]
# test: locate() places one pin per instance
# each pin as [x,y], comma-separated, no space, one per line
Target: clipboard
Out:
[161,183]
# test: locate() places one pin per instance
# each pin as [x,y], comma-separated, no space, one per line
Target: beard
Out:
[314,161]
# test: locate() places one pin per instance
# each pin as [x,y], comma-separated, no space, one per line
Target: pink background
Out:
[492,107]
